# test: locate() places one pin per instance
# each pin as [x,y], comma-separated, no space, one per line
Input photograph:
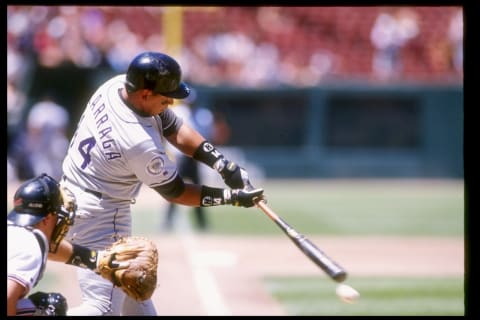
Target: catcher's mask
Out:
[34,200]
[157,72]
[64,221]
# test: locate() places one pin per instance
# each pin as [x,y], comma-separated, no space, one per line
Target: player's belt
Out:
[95,193]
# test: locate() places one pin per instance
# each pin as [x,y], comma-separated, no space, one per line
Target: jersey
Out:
[26,260]
[112,153]
[114,150]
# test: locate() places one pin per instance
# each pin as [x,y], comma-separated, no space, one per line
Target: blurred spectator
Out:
[125,45]
[390,32]
[220,129]
[322,65]
[16,101]
[44,143]
[455,35]
[202,120]
[238,46]
[260,68]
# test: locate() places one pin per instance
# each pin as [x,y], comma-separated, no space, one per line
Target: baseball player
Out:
[118,146]
[35,226]
[43,212]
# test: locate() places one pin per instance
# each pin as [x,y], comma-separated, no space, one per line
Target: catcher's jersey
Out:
[114,150]
[25,258]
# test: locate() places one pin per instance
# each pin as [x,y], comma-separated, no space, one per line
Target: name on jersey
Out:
[104,127]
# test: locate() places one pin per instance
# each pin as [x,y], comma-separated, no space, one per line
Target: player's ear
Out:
[52,216]
[145,93]
[46,220]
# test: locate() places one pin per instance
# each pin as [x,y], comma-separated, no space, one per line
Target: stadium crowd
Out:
[240,46]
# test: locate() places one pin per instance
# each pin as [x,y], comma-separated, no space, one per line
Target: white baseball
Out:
[346,293]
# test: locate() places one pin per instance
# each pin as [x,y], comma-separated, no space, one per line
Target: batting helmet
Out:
[34,199]
[157,72]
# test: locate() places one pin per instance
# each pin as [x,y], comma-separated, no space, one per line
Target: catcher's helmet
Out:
[34,199]
[157,72]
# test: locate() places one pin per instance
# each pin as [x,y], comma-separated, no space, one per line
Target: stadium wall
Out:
[346,131]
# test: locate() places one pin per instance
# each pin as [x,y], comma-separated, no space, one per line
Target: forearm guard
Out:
[214,196]
[209,155]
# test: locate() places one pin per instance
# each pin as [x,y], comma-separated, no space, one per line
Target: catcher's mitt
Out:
[131,264]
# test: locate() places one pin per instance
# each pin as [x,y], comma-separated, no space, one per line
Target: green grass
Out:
[379,296]
[49,281]
[337,207]
[352,208]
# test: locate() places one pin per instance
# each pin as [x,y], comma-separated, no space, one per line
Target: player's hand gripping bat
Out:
[332,269]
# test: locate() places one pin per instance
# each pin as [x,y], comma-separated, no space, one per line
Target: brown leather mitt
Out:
[131,264]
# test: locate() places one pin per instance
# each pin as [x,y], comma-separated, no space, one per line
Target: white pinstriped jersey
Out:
[114,150]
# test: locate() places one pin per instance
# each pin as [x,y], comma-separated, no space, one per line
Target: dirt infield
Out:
[201,274]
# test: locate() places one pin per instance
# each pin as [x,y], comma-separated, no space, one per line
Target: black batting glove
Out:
[237,197]
[234,176]
[244,198]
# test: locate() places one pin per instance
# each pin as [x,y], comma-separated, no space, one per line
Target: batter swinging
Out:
[117,147]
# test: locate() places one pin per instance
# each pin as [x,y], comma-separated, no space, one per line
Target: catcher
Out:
[35,227]
[43,212]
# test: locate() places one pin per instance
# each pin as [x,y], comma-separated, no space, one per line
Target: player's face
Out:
[155,103]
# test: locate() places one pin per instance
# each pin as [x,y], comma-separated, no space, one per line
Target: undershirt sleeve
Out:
[171,123]
[171,189]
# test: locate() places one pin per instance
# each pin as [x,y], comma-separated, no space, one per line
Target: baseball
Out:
[347,294]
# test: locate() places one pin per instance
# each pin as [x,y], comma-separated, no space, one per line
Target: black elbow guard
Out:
[172,189]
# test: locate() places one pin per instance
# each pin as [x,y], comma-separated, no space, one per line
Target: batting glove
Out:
[243,198]
[234,176]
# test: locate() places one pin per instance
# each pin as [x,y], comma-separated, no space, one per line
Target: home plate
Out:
[215,258]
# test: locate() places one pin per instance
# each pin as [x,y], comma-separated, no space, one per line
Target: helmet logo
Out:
[35,205]
[162,68]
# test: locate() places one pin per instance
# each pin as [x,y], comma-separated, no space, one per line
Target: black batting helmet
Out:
[157,72]
[34,199]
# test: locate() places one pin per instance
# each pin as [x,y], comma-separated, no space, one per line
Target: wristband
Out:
[83,257]
[214,196]
[207,154]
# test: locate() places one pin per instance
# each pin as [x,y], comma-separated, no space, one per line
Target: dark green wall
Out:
[346,131]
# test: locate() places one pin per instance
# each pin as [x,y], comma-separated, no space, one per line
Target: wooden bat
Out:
[332,269]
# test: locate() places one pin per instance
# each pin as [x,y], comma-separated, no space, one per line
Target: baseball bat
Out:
[332,269]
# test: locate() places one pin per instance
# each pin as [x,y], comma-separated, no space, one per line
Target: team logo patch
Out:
[155,166]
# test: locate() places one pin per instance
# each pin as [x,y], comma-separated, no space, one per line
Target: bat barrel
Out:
[333,270]
[319,258]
